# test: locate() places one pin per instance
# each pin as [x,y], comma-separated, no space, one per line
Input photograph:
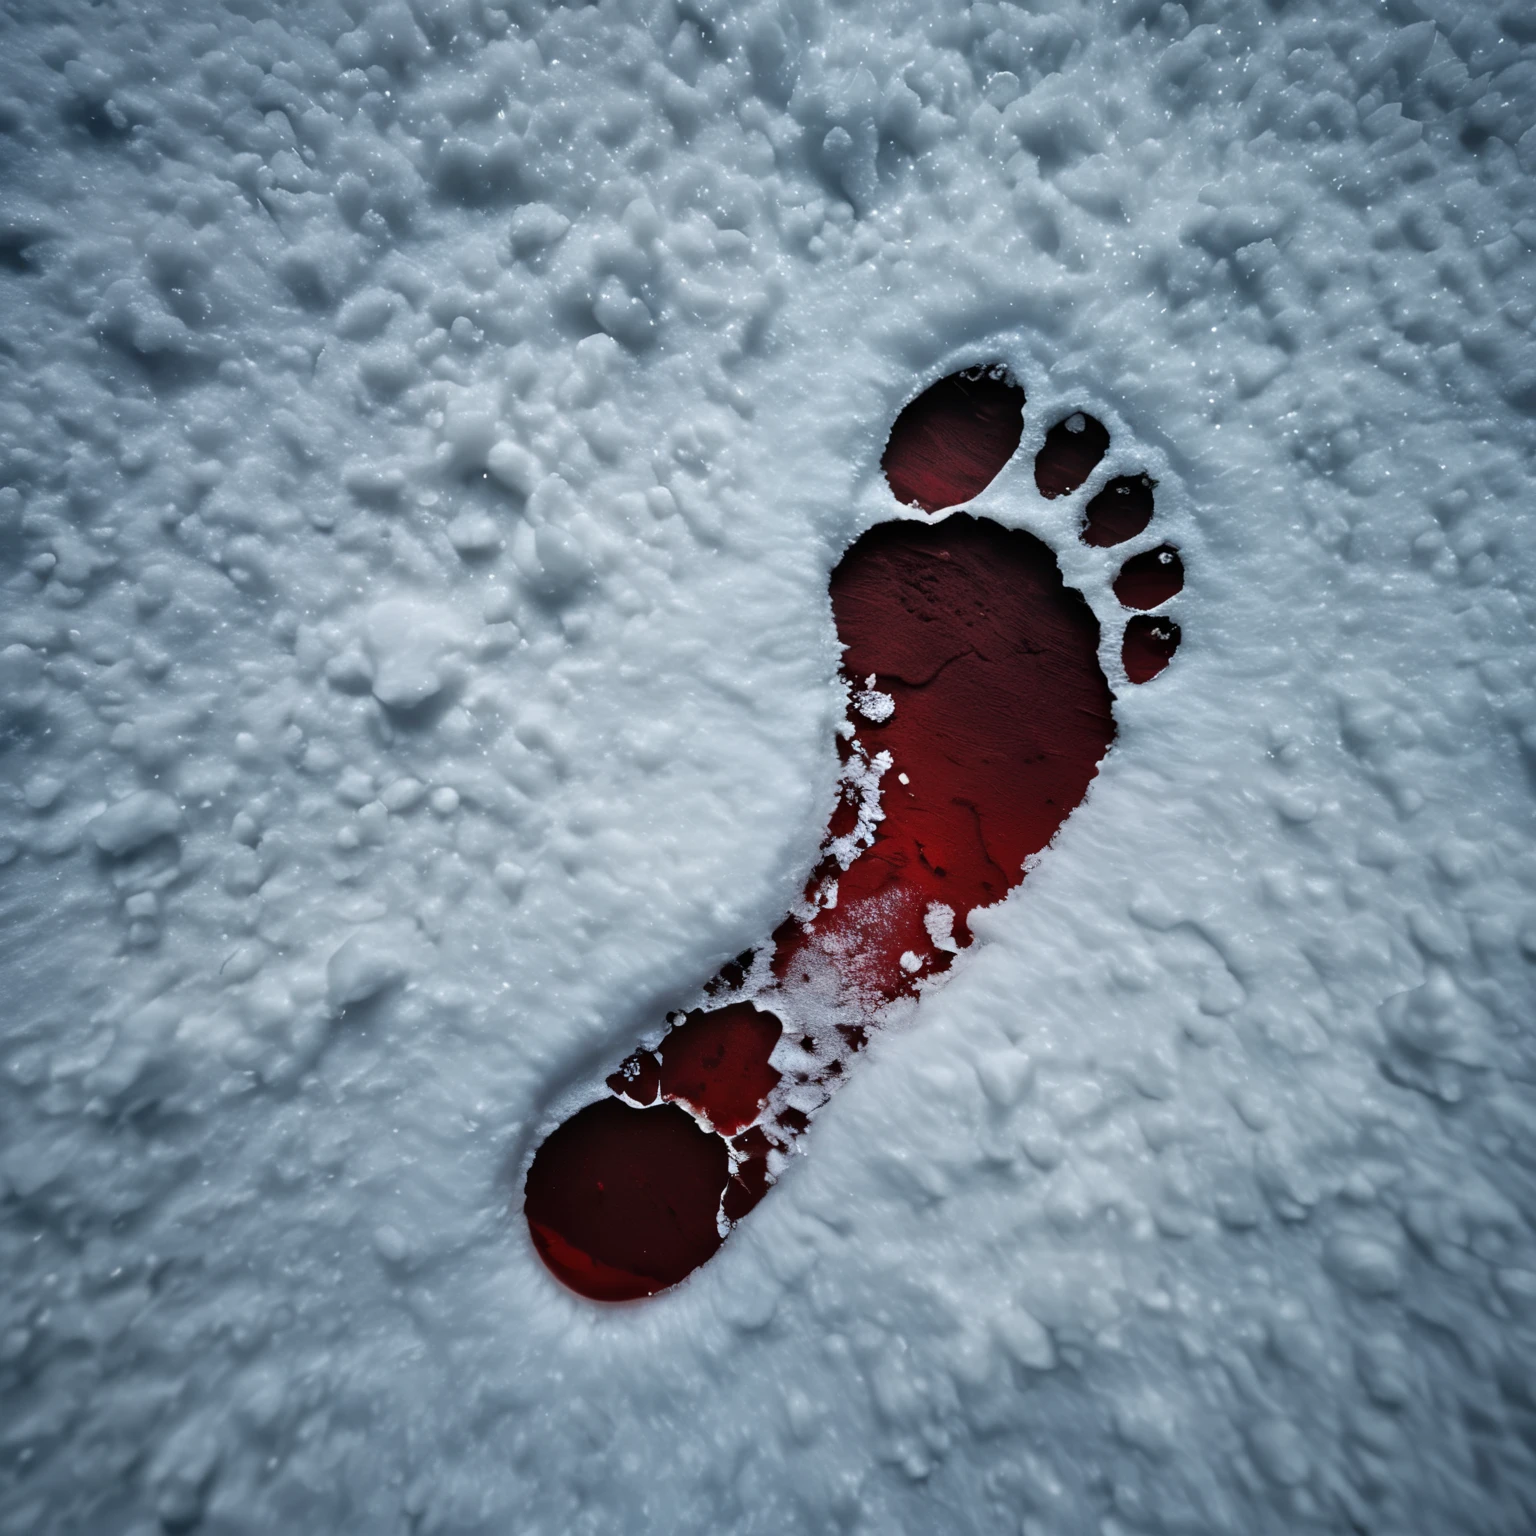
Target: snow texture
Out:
[426,430]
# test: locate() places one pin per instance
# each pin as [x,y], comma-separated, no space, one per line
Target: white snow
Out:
[426,429]
[135,820]
[364,965]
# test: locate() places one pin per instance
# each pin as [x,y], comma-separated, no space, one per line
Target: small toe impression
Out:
[1119,512]
[1071,453]
[1148,646]
[1149,579]
[948,444]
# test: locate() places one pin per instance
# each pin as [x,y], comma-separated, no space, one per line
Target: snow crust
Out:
[425,433]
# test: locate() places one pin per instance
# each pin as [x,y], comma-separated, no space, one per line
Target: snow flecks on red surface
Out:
[1148,646]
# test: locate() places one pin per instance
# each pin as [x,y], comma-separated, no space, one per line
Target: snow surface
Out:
[426,431]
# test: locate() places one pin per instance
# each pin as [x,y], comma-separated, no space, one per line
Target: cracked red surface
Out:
[1001,716]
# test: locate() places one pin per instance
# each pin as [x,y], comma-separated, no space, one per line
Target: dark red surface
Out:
[949,443]
[622,1202]
[1119,512]
[1148,646]
[717,1062]
[1067,458]
[1149,579]
[1001,718]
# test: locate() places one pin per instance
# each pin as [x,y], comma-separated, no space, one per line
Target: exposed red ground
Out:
[621,1202]
[950,442]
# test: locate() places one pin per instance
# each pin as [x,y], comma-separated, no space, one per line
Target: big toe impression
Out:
[948,444]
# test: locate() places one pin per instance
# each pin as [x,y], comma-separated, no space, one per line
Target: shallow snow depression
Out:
[425,438]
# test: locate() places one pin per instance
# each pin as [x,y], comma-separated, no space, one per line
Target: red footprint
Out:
[979,718]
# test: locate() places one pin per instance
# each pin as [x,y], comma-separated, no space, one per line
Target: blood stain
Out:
[1148,647]
[1119,512]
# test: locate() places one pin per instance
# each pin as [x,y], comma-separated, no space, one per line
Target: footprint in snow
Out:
[979,717]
